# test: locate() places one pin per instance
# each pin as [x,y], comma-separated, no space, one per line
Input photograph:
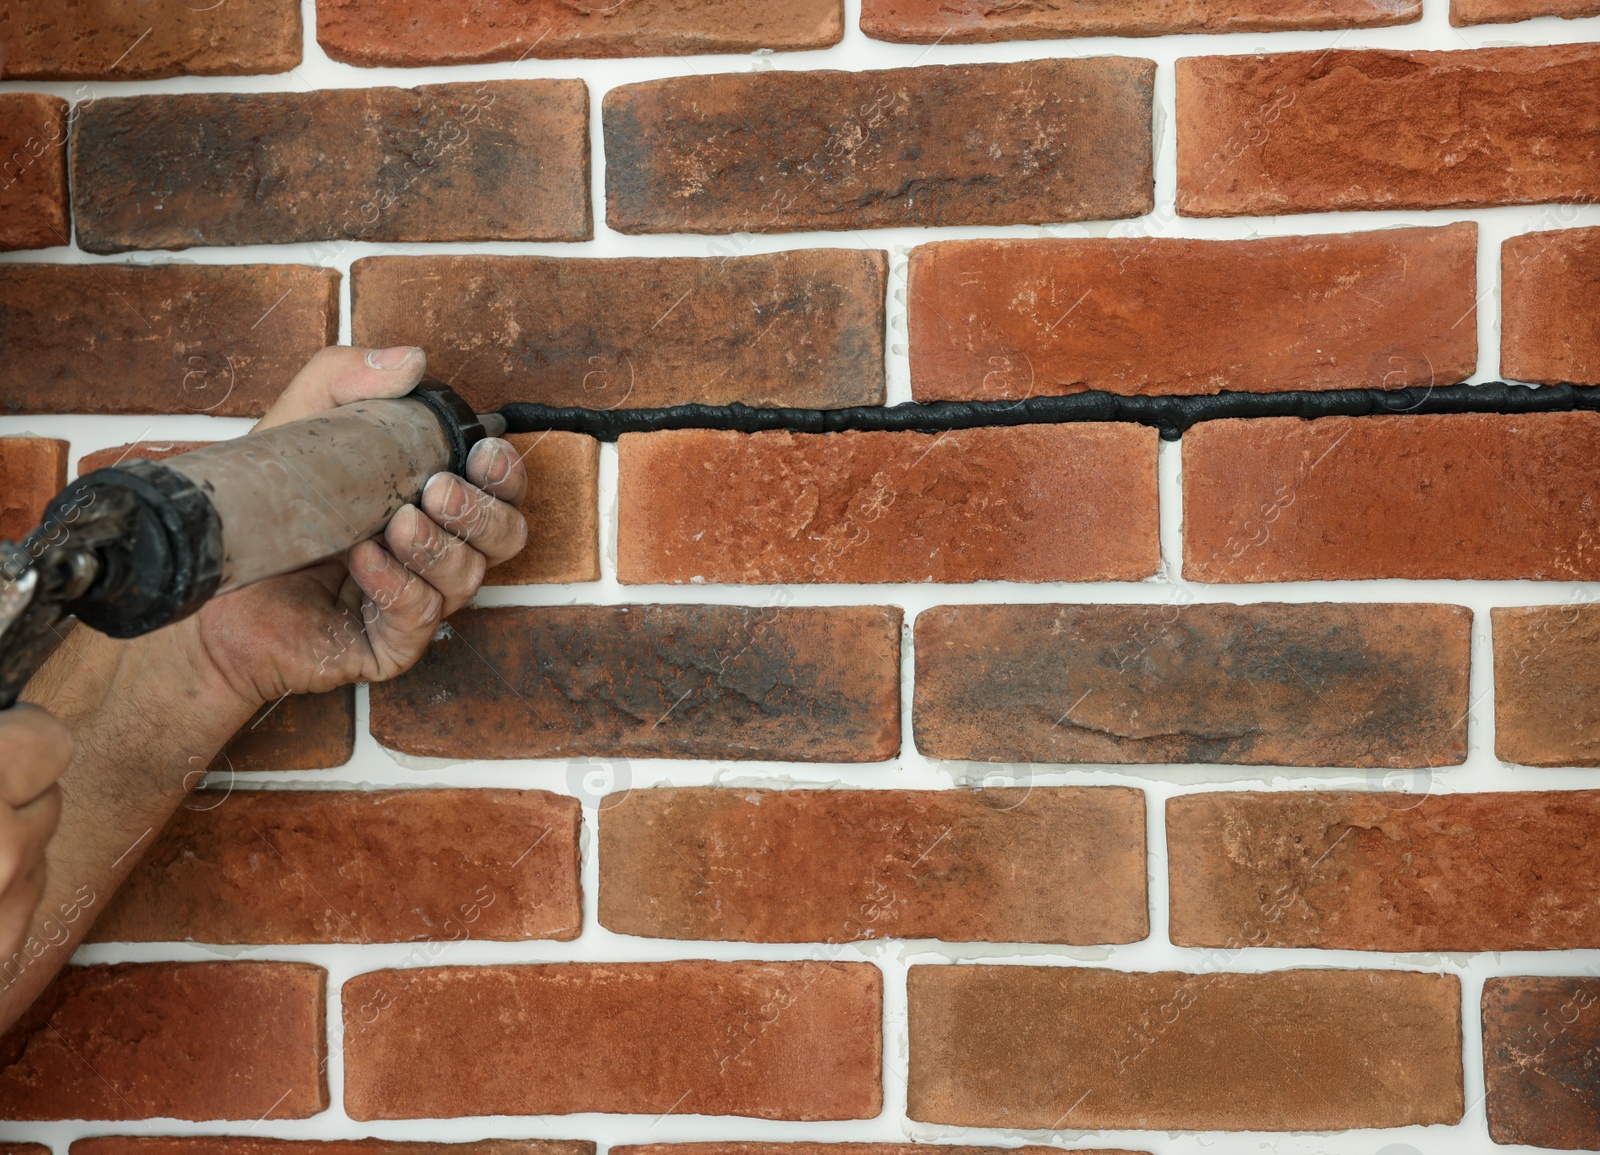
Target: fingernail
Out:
[498,466]
[391,358]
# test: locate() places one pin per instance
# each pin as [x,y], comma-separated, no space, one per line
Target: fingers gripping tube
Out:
[134,547]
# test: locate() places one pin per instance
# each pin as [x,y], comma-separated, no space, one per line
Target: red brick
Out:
[1267,684]
[780,1040]
[49,40]
[378,33]
[1350,870]
[1540,1038]
[498,160]
[211,1040]
[23,1149]
[976,21]
[173,338]
[1550,307]
[1329,130]
[33,168]
[1000,319]
[32,471]
[237,1145]
[562,509]
[276,866]
[1464,12]
[1473,495]
[802,328]
[1041,864]
[1091,1048]
[1547,684]
[1033,503]
[973,144]
[653,681]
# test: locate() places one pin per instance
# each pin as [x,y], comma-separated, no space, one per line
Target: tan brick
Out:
[1347,870]
[1547,684]
[222,340]
[210,1040]
[802,328]
[1090,1049]
[1009,319]
[33,168]
[1267,684]
[562,508]
[277,866]
[653,681]
[496,160]
[1336,129]
[1033,503]
[1026,864]
[974,144]
[1464,12]
[108,40]
[418,32]
[1550,307]
[1467,496]
[782,1040]
[32,471]
[976,21]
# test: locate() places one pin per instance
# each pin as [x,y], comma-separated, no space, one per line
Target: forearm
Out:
[148,716]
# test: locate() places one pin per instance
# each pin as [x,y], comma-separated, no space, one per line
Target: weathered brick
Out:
[1091,1048]
[1540,1039]
[1464,12]
[300,732]
[1002,319]
[1471,495]
[32,471]
[49,40]
[562,509]
[240,1145]
[23,1148]
[172,338]
[378,33]
[1267,684]
[1362,870]
[1032,503]
[33,168]
[781,1040]
[652,681]
[275,866]
[802,328]
[1041,864]
[976,21]
[973,144]
[1547,684]
[1336,129]
[497,160]
[210,1040]
[1550,307]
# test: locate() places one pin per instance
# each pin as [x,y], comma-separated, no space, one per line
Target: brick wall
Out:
[1252,776]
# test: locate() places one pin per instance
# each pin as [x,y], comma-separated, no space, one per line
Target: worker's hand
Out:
[37,751]
[369,617]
